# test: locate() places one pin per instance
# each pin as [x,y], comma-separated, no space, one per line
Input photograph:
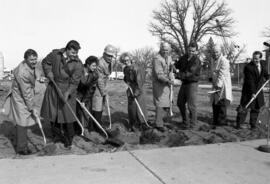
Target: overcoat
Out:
[222,78]
[20,100]
[252,82]
[104,70]
[67,76]
[160,77]
[134,76]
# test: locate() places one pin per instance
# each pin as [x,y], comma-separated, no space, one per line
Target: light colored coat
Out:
[160,77]
[222,78]
[104,70]
[20,100]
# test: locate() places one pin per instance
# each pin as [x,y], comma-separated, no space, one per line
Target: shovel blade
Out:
[263,117]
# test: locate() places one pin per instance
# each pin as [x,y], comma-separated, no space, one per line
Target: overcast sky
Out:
[48,24]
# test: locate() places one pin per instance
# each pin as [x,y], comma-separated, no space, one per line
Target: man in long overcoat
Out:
[255,74]
[20,101]
[64,68]
[162,79]
[221,80]
[104,70]
[134,76]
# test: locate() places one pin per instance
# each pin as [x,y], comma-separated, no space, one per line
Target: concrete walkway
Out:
[230,163]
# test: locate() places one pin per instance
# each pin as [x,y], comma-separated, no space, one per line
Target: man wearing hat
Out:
[104,70]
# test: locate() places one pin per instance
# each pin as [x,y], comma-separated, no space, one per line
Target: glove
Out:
[50,76]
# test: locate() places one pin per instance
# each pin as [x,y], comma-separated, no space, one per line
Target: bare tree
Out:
[233,52]
[169,22]
[144,56]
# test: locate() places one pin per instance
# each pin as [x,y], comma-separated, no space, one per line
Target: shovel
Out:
[92,117]
[69,107]
[245,109]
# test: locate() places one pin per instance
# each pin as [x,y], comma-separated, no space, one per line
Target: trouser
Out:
[133,114]
[160,113]
[65,131]
[21,138]
[83,116]
[97,115]
[220,112]
[188,95]
[242,114]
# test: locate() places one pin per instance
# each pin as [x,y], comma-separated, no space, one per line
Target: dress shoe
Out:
[25,152]
[160,128]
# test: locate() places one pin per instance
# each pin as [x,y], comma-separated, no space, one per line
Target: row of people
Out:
[70,79]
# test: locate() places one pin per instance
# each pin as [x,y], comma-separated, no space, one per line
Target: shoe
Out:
[160,128]
[25,152]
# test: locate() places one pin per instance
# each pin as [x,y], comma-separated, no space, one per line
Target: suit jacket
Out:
[252,83]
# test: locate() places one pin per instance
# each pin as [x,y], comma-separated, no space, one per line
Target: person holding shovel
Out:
[162,80]
[19,105]
[255,75]
[134,77]
[222,86]
[86,89]
[64,70]
[104,69]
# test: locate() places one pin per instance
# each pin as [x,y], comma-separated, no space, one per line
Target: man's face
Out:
[127,61]
[92,67]
[108,58]
[72,54]
[31,61]
[256,58]
[192,51]
[165,51]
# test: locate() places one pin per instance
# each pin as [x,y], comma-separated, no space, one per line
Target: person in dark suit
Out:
[255,75]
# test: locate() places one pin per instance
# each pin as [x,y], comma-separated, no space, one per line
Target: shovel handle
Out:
[255,96]
[69,107]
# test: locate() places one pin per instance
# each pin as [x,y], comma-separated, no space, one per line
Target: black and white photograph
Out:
[134,92]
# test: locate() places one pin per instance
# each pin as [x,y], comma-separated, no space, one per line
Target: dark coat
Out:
[134,76]
[87,86]
[67,76]
[252,83]
[189,69]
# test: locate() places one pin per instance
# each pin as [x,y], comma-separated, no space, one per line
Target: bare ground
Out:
[175,134]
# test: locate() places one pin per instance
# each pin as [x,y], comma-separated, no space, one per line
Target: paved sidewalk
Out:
[217,163]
